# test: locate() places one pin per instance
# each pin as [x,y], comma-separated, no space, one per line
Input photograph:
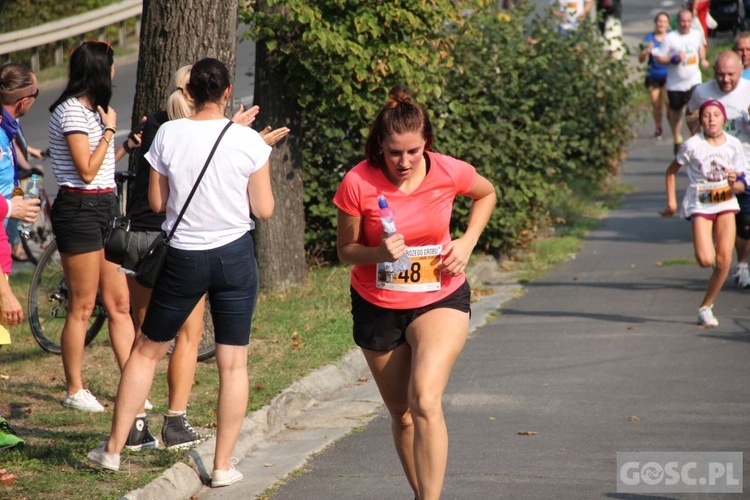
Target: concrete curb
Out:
[183,480]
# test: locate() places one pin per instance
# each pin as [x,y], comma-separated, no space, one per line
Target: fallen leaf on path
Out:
[492,418]
[268,465]
[634,418]
[527,433]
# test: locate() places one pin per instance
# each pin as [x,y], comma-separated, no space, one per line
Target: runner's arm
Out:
[351,251]
[672,170]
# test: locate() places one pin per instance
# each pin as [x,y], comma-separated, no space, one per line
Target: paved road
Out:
[607,336]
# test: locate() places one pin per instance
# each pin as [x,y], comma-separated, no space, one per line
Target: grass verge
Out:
[293,333]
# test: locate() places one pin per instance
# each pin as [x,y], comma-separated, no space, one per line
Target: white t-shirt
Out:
[687,74]
[735,102]
[219,212]
[572,10]
[72,117]
[706,166]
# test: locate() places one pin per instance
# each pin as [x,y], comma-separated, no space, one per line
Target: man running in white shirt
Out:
[684,53]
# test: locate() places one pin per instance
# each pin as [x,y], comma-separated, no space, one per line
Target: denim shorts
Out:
[81,220]
[380,329]
[228,274]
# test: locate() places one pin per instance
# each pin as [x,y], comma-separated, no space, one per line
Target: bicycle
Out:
[48,299]
[40,236]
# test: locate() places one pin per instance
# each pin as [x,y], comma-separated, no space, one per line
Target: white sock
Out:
[176,413]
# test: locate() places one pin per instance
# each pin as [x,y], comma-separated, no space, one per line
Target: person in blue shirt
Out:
[742,47]
[656,77]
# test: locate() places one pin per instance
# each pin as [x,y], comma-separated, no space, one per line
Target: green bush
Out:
[534,111]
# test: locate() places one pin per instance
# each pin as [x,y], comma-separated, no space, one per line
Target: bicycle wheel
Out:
[48,303]
[40,237]
[207,346]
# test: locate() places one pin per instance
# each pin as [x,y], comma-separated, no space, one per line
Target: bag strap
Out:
[197,182]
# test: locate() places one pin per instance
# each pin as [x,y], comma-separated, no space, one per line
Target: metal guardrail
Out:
[57,31]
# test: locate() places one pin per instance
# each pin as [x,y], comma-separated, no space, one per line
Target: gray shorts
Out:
[137,245]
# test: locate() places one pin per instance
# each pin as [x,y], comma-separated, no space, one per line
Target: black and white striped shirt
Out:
[72,117]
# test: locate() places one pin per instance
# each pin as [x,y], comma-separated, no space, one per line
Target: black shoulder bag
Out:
[149,268]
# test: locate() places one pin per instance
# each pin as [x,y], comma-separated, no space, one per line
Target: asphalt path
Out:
[602,355]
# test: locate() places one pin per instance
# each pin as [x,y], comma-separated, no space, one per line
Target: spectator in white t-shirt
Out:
[211,251]
[684,53]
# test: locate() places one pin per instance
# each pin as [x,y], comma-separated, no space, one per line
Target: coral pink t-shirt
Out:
[423,217]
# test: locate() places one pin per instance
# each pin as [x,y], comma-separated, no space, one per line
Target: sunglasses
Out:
[34,95]
[109,47]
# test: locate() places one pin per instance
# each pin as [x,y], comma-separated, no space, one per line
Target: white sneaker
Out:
[82,400]
[706,316]
[742,277]
[104,460]
[226,477]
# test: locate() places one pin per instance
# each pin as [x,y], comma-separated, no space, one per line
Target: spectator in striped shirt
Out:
[81,135]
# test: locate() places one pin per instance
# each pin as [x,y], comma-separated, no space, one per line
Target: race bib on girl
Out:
[710,193]
[422,276]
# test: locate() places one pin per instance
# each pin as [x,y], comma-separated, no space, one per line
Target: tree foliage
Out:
[536,112]
[341,57]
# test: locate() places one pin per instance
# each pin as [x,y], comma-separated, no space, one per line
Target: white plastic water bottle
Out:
[389,226]
[31,192]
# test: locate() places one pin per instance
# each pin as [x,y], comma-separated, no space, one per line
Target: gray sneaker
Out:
[140,438]
[177,433]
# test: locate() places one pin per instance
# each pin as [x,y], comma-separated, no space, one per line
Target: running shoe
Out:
[8,438]
[706,317]
[82,400]
[742,277]
[657,133]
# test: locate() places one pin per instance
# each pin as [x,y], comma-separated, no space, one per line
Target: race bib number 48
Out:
[422,276]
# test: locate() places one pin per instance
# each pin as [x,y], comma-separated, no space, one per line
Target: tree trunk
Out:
[179,32]
[280,241]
